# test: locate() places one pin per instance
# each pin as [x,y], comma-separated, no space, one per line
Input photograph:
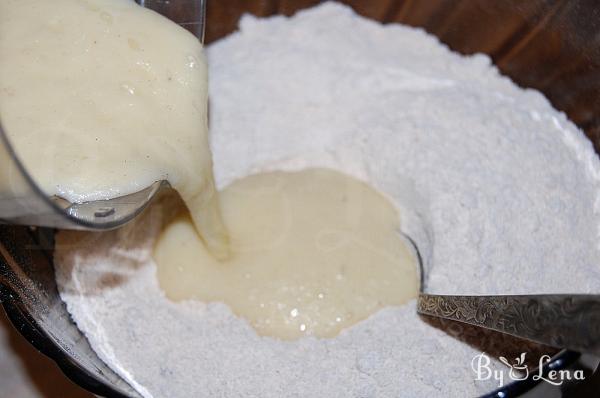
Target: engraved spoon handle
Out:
[557,320]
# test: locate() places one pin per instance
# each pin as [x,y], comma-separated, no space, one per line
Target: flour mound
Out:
[498,189]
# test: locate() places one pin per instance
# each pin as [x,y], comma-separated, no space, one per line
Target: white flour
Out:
[499,190]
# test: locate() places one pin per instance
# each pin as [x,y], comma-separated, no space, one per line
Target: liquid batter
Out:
[101,98]
[313,252]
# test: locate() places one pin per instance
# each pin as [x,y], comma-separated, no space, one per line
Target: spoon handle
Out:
[557,320]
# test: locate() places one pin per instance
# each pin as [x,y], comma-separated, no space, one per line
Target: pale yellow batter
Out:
[313,252]
[101,98]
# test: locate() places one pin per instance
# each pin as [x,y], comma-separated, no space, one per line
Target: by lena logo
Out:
[518,370]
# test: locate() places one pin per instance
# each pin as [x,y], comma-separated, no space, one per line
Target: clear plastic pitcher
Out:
[22,201]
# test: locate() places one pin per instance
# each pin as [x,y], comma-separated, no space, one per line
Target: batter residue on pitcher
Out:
[313,252]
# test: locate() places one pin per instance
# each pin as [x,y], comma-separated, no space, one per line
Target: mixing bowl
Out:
[548,45]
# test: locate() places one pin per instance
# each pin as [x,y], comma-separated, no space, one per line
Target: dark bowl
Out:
[548,45]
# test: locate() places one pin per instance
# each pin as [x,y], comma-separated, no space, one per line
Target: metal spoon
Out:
[569,321]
